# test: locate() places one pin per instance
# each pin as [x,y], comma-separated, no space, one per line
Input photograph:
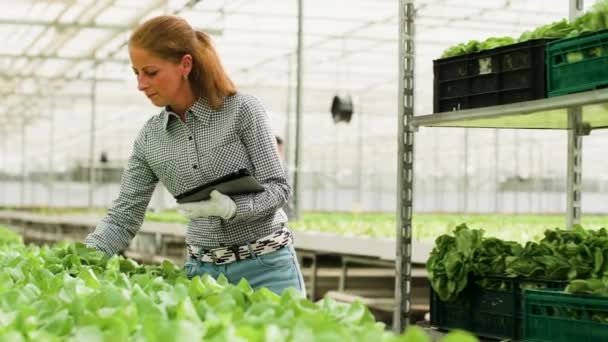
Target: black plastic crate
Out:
[485,312]
[507,74]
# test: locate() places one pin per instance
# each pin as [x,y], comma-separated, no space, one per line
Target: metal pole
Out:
[92,139]
[576,9]
[574,174]
[405,165]
[360,158]
[437,174]
[575,149]
[541,173]
[286,141]
[516,160]
[50,178]
[23,163]
[297,162]
[531,177]
[465,186]
[496,171]
[4,178]
[335,159]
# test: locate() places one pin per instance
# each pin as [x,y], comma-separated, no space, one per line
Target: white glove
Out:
[218,205]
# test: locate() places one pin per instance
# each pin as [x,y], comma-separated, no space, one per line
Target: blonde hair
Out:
[170,38]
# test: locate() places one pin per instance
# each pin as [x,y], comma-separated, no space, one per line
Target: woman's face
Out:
[162,81]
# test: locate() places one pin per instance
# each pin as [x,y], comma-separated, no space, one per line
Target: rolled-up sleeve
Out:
[260,144]
[126,213]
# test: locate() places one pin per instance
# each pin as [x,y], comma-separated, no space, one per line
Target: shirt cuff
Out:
[92,241]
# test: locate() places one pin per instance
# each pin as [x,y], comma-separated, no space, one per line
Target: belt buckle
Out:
[215,258]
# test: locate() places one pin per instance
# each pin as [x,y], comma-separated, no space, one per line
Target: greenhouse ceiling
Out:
[53,49]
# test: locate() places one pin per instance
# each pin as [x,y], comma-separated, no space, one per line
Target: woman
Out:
[206,130]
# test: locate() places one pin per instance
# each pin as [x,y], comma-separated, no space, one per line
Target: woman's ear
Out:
[186,64]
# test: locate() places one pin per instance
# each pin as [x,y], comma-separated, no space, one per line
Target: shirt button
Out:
[194,167]
[190,138]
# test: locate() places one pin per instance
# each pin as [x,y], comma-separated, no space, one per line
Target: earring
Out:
[185,77]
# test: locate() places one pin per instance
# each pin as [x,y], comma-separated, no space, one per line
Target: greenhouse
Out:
[226,170]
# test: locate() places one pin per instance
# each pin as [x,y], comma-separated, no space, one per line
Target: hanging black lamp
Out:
[342,108]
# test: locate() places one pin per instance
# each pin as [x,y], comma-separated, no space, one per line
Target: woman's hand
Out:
[217,205]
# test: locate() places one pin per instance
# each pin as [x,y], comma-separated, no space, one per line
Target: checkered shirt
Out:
[185,155]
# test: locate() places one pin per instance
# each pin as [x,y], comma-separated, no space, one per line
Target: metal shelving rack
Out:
[577,113]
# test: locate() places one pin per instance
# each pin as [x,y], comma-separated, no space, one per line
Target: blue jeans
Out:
[276,271]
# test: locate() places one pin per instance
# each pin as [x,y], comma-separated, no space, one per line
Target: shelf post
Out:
[405,165]
[576,9]
[574,170]
[575,147]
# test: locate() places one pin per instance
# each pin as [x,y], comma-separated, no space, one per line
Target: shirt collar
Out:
[201,110]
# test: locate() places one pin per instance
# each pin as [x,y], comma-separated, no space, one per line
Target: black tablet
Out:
[236,183]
